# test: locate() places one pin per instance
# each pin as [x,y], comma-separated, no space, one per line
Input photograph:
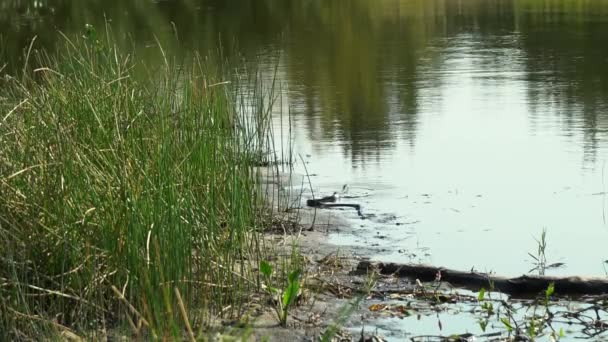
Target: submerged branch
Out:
[522,286]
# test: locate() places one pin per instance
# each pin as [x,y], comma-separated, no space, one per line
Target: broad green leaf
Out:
[294,276]
[507,324]
[550,290]
[532,329]
[481,294]
[291,292]
[265,268]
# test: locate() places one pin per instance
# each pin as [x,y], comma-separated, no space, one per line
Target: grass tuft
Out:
[126,201]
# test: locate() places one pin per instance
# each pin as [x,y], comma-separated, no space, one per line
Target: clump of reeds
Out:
[125,201]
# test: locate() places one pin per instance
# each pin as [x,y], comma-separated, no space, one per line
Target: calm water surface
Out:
[465,126]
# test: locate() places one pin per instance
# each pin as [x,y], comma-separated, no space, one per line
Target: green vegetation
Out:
[286,297]
[126,202]
[540,259]
[536,322]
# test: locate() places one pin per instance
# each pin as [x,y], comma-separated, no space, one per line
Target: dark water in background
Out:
[468,125]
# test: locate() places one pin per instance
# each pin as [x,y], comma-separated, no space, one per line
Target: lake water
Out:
[463,127]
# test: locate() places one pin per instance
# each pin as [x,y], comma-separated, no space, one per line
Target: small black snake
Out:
[323,203]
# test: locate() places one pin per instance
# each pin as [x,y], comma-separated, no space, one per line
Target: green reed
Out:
[116,185]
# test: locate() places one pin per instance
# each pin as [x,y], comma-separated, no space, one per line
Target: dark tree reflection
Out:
[355,69]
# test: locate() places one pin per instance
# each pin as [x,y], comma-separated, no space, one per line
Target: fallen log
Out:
[523,286]
[320,204]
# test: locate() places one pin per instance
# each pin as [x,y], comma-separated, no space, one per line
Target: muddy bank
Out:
[387,306]
[336,296]
[331,293]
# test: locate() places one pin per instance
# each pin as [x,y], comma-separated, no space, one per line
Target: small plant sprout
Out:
[540,259]
[288,296]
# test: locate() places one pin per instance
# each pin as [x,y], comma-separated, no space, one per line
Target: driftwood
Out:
[319,203]
[523,286]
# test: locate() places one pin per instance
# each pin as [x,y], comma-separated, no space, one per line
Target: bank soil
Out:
[344,295]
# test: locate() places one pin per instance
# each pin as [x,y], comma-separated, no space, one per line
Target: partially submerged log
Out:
[523,286]
[320,204]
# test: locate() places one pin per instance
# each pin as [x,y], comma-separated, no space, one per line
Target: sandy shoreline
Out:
[329,267]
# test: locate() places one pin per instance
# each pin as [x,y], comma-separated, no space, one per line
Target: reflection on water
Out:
[460,319]
[479,121]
